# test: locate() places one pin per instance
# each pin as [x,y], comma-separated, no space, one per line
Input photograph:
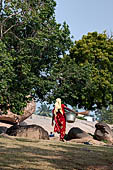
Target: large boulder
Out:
[29,131]
[103,132]
[77,133]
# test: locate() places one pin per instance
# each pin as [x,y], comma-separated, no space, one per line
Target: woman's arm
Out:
[70,110]
[82,113]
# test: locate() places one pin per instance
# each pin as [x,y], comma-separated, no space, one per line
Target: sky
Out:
[85,16]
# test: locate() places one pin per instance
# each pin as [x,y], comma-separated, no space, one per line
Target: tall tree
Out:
[32,42]
[85,76]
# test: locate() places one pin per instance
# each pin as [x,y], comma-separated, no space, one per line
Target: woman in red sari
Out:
[60,118]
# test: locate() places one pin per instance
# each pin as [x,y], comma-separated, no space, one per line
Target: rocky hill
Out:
[45,122]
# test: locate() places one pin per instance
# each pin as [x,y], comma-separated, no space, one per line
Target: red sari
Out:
[60,122]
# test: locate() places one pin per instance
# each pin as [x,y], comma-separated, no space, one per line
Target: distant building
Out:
[80,115]
[89,118]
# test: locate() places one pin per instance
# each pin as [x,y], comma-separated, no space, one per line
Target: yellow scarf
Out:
[58,106]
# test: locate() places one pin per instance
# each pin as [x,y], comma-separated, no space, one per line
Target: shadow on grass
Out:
[50,155]
[26,140]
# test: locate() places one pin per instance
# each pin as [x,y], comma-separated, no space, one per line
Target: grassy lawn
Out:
[26,154]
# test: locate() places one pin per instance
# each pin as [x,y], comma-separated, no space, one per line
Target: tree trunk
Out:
[13,119]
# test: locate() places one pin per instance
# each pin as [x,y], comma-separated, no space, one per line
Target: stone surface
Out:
[103,132]
[29,131]
[76,133]
[45,122]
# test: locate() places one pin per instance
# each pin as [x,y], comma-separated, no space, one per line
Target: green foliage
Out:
[85,76]
[105,115]
[71,83]
[96,50]
[81,118]
[31,42]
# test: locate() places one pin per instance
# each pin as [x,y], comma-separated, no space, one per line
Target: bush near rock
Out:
[29,131]
[76,133]
[103,132]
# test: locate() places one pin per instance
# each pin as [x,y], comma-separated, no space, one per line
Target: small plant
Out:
[105,141]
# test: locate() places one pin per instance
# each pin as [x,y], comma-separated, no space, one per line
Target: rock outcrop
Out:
[77,133]
[103,132]
[29,131]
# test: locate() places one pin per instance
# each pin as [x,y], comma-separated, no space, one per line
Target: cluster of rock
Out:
[29,131]
[102,131]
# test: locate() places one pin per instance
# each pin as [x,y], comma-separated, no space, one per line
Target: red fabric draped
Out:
[60,122]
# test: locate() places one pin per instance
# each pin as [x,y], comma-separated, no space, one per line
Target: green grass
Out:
[27,154]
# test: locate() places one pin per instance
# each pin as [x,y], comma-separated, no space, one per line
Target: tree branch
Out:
[12,27]
[9,29]
[10,16]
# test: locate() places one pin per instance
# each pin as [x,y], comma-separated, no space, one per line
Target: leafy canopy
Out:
[85,76]
[31,41]
[105,114]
